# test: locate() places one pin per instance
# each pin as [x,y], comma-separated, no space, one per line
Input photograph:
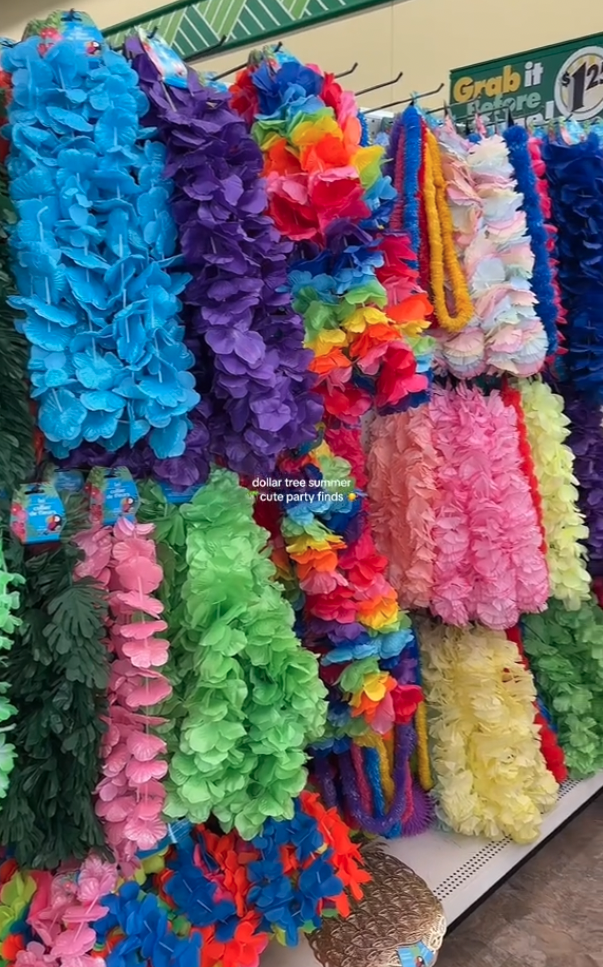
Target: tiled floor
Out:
[550,914]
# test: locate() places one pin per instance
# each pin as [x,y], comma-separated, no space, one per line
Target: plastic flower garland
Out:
[403,488]
[130,794]
[565,530]
[325,189]
[564,648]
[9,623]
[517,141]
[218,899]
[247,697]
[505,334]
[460,519]
[91,253]
[256,392]
[57,673]
[526,344]
[63,913]
[574,173]
[491,778]
[586,442]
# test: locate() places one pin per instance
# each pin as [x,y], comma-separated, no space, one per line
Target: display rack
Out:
[461,870]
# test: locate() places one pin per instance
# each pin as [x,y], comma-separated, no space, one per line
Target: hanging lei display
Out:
[89,283]
[253,378]
[426,469]
[323,189]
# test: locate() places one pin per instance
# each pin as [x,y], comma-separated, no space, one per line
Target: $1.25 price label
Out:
[579,84]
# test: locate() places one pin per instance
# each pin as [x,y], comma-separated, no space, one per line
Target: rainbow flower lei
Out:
[325,191]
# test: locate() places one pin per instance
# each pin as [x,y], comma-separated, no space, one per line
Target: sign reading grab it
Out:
[536,85]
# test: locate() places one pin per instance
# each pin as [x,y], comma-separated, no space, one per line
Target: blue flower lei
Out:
[91,252]
[516,138]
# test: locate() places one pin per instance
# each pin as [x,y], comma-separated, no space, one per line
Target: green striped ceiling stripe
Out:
[192,27]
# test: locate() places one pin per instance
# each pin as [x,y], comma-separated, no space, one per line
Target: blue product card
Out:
[37,514]
[171,67]
[66,481]
[416,955]
[83,31]
[175,495]
[113,494]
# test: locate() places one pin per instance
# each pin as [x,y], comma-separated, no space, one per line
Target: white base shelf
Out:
[460,870]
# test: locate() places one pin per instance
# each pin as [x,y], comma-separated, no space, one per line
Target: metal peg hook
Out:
[378,87]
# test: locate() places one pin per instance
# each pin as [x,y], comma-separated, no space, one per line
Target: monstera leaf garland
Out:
[91,253]
[57,673]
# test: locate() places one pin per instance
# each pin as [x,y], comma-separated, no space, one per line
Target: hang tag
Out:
[175,496]
[65,481]
[113,494]
[37,514]
[416,955]
[171,67]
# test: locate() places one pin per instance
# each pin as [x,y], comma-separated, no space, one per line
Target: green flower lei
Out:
[247,696]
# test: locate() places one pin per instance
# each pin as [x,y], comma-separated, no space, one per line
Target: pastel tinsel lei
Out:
[547,429]
[250,364]
[491,777]
[575,177]
[564,648]
[247,697]
[91,253]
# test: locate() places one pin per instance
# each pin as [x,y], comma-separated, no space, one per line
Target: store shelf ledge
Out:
[461,870]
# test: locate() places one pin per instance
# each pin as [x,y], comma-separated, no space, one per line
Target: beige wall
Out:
[424,38]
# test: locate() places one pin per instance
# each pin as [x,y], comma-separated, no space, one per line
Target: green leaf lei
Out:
[57,672]
[565,649]
[247,696]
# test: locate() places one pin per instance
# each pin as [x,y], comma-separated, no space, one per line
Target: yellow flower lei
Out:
[442,253]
